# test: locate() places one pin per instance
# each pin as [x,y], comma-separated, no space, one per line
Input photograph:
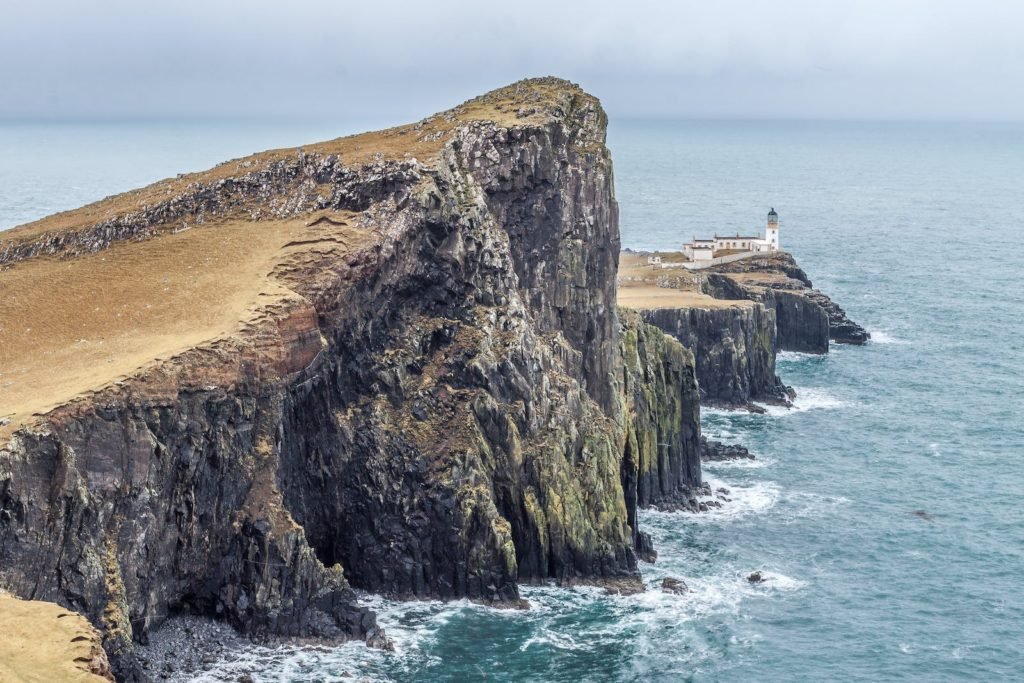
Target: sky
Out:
[790,59]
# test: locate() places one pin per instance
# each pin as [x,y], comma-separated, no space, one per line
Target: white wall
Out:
[698,265]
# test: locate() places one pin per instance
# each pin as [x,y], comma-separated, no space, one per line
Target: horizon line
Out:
[389,120]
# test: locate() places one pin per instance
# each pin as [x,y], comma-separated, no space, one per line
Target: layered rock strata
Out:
[806,318]
[661,459]
[734,350]
[735,318]
[428,393]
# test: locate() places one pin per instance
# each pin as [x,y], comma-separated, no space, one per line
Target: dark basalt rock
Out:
[449,412]
[806,318]
[674,586]
[756,577]
[661,459]
[841,329]
[716,450]
[734,350]
[924,514]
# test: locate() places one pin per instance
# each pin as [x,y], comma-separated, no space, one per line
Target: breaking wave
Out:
[883,337]
[807,398]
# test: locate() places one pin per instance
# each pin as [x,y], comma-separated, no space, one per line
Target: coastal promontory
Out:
[391,362]
[405,362]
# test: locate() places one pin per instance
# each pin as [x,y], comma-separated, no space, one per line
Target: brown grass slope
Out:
[90,297]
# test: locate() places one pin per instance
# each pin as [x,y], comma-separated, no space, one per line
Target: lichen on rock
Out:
[429,395]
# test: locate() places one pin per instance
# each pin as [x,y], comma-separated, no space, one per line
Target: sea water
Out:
[884,509]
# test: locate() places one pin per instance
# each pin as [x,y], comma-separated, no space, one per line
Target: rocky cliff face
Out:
[801,324]
[806,318]
[432,402]
[661,459]
[734,349]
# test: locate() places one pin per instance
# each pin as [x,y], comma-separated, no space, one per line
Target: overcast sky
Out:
[889,59]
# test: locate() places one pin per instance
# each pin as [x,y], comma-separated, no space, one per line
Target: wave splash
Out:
[807,398]
[883,337]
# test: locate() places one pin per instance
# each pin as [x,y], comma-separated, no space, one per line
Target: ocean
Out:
[885,508]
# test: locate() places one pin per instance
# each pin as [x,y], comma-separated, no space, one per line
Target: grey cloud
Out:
[787,58]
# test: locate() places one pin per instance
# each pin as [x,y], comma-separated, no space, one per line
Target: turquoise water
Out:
[914,230]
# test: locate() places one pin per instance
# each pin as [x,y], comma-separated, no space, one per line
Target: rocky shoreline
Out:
[433,394]
[735,318]
[186,645]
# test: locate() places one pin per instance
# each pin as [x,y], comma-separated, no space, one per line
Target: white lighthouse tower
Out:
[772,234]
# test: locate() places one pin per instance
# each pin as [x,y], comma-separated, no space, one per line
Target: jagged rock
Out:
[716,450]
[734,350]
[675,586]
[661,459]
[806,318]
[756,577]
[437,406]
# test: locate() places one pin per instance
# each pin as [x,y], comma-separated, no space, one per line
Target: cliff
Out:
[734,349]
[806,317]
[391,361]
[661,459]
[735,318]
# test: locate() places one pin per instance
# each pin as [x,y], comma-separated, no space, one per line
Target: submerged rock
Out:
[673,585]
[716,450]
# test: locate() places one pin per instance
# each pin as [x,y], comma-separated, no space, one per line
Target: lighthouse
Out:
[772,234]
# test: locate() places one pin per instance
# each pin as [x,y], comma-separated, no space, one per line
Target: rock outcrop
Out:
[735,317]
[734,349]
[429,395]
[806,318]
[716,450]
[661,459]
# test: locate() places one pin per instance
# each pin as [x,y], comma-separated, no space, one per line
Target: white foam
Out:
[796,356]
[292,663]
[709,411]
[935,450]
[778,582]
[807,398]
[551,638]
[743,500]
[718,432]
[643,616]
[737,464]
[883,337]
[801,505]
[705,595]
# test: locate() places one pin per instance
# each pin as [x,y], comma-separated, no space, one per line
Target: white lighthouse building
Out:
[772,233]
[735,246]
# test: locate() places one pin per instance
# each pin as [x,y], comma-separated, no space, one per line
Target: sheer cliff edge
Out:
[390,362]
